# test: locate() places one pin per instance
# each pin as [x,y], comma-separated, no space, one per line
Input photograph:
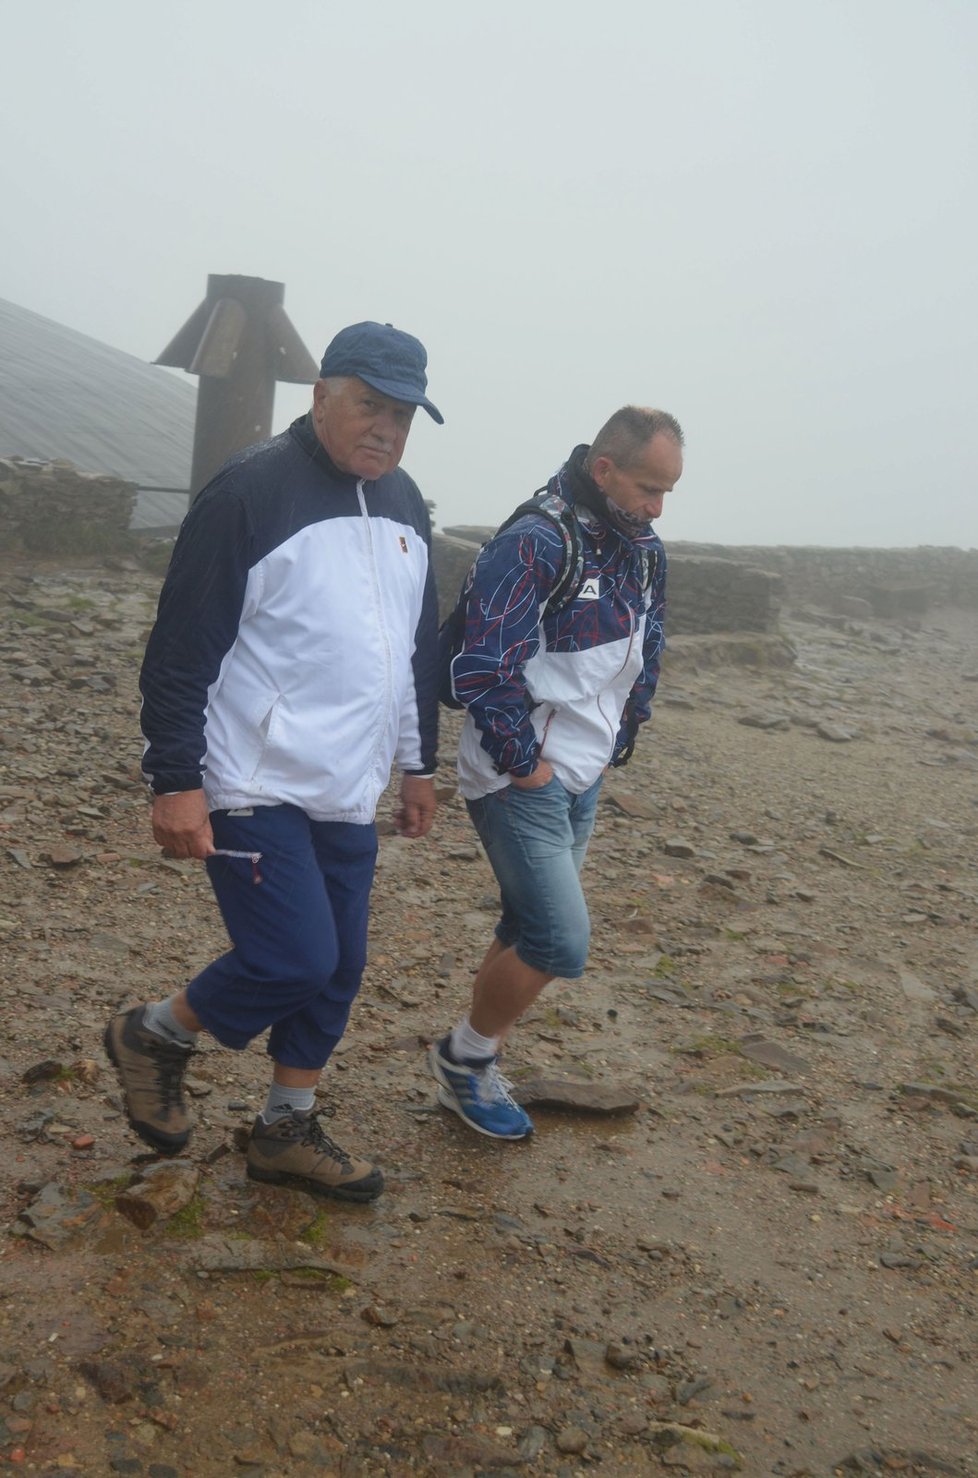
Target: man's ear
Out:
[599,470]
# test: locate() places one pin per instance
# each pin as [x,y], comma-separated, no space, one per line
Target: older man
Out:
[555,693]
[290,666]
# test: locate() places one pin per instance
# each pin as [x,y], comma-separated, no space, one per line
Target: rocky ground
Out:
[760,1255]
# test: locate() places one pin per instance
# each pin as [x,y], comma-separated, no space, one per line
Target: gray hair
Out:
[628,431]
[336,384]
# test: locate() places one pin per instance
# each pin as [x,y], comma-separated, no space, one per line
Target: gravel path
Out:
[764,1257]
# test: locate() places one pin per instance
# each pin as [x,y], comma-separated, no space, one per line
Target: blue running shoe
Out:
[479,1095]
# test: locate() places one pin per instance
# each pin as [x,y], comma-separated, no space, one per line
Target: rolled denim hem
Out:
[547,969]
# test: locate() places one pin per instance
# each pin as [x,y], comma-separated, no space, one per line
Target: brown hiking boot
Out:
[151,1072]
[295,1150]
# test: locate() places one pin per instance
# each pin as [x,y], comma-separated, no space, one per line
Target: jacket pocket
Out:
[263,735]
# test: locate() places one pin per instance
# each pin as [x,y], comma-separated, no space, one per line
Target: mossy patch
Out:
[708,1047]
[106,1191]
[314,1235]
[188,1223]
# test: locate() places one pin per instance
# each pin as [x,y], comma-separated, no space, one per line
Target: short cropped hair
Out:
[335,384]
[622,438]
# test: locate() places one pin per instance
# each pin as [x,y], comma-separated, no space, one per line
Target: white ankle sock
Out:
[466,1045]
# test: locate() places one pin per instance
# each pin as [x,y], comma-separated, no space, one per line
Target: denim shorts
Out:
[536,841]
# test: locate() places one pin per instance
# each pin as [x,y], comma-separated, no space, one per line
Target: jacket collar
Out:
[576,485]
[303,431]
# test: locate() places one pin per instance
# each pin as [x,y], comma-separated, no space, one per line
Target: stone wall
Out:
[715,587]
[52,508]
[706,594]
[892,581]
[452,559]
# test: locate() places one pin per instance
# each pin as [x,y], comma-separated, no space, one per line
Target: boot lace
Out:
[170,1069]
[492,1087]
[314,1134]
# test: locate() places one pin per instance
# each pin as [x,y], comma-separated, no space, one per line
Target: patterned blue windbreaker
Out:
[571,686]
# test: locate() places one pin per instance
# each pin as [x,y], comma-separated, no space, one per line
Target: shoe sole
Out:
[448,1100]
[315,1188]
[165,1144]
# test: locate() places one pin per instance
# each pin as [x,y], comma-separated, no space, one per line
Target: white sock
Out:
[466,1045]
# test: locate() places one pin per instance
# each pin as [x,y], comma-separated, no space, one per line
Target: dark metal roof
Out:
[63,394]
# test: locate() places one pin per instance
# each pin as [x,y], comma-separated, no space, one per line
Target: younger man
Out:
[553,698]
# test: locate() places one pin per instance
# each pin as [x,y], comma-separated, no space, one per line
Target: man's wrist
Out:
[523,770]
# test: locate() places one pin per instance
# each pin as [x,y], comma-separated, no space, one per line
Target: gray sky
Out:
[758,214]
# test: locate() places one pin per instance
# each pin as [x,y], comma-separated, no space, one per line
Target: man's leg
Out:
[504,988]
[284,948]
[288,1144]
[535,841]
[544,915]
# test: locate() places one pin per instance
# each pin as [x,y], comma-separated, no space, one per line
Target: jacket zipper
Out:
[381,625]
[628,652]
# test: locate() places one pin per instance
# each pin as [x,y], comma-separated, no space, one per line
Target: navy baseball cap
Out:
[384,357]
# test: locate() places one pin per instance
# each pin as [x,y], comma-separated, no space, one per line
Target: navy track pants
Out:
[299,936]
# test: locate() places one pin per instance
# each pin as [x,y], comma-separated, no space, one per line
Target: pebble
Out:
[572,1440]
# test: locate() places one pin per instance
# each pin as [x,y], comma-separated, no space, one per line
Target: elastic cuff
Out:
[174,784]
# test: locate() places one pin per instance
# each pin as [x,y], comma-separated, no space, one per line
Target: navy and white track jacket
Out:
[570,687]
[293,655]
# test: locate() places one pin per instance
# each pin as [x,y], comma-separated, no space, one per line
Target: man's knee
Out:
[302,965]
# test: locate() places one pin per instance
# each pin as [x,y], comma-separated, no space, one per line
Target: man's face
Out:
[643,487]
[363,431]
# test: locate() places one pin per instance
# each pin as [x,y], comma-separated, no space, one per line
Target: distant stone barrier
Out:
[706,594]
[52,508]
[891,582]
[723,588]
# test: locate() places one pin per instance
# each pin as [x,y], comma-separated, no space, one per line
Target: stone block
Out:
[854,606]
[52,508]
[897,599]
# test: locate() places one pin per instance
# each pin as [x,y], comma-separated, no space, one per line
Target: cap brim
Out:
[397,391]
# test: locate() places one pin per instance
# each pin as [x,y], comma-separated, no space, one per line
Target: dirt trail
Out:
[769,1264]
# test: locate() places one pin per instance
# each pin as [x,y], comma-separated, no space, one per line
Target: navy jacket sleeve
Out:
[196,626]
[424,671]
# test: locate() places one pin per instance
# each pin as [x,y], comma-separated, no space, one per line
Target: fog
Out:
[757,214]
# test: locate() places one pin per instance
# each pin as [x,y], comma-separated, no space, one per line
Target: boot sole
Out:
[164,1144]
[315,1187]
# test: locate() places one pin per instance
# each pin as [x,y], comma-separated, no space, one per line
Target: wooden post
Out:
[239,341]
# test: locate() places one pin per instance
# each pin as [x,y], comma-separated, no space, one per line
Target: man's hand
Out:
[181,824]
[542,775]
[416,812]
